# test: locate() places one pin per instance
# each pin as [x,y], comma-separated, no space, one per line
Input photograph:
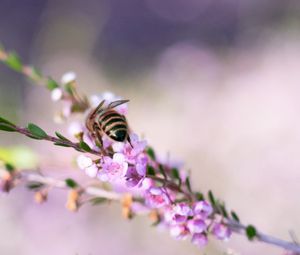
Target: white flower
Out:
[84,162]
[56,94]
[68,77]
[92,171]
[75,128]
[109,97]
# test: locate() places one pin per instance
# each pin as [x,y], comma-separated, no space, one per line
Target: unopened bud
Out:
[73,200]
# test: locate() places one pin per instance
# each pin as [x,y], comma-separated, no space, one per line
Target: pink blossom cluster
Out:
[125,165]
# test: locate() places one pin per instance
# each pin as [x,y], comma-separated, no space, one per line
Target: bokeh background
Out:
[215,84]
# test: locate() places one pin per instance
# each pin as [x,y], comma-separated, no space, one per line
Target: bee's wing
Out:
[98,108]
[117,103]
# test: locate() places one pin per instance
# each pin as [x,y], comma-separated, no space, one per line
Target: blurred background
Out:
[215,84]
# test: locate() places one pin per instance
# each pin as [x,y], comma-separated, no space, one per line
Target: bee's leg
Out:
[98,137]
[129,141]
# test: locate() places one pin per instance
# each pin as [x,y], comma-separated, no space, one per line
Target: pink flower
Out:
[200,240]
[181,212]
[196,226]
[179,232]
[113,168]
[203,209]
[133,178]
[221,231]
[131,153]
[156,197]
[183,209]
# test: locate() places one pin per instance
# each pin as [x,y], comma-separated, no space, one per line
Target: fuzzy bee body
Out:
[106,120]
[114,125]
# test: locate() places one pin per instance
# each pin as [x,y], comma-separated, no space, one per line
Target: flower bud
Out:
[68,77]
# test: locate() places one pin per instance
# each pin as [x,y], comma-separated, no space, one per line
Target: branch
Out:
[261,237]
[52,182]
[110,195]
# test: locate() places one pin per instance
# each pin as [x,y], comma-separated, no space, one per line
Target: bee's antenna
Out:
[97,108]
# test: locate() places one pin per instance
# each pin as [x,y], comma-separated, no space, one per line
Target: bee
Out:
[106,120]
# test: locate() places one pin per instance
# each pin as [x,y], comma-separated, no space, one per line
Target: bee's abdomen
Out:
[114,125]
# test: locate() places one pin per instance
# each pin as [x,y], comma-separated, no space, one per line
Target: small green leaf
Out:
[35,185]
[60,136]
[14,61]
[150,171]
[188,184]
[62,144]
[2,120]
[84,146]
[212,198]
[234,216]
[150,152]
[7,127]
[36,131]
[9,167]
[223,210]
[175,173]
[251,232]
[98,200]
[71,183]
[162,170]
[199,196]
[51,84]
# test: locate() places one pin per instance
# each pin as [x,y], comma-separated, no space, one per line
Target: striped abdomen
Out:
[114,125]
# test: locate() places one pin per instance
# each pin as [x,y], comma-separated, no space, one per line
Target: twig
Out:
[93,191]
[53,139]
[110,195]
[261,237]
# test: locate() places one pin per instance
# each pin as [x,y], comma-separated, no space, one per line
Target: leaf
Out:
[251,232]
[14,61]
[199,196]
[212,198]
[36,131]
[60,136]
[98,200]
[84,146]
[162,170]
[150,152]
[175,173]
[62,144]
[234,216]
[223,210]
[35,185]
[150,171]
[188,184]
[51,84]
[7,127]
[9,167]
[2,120]
[71,183]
